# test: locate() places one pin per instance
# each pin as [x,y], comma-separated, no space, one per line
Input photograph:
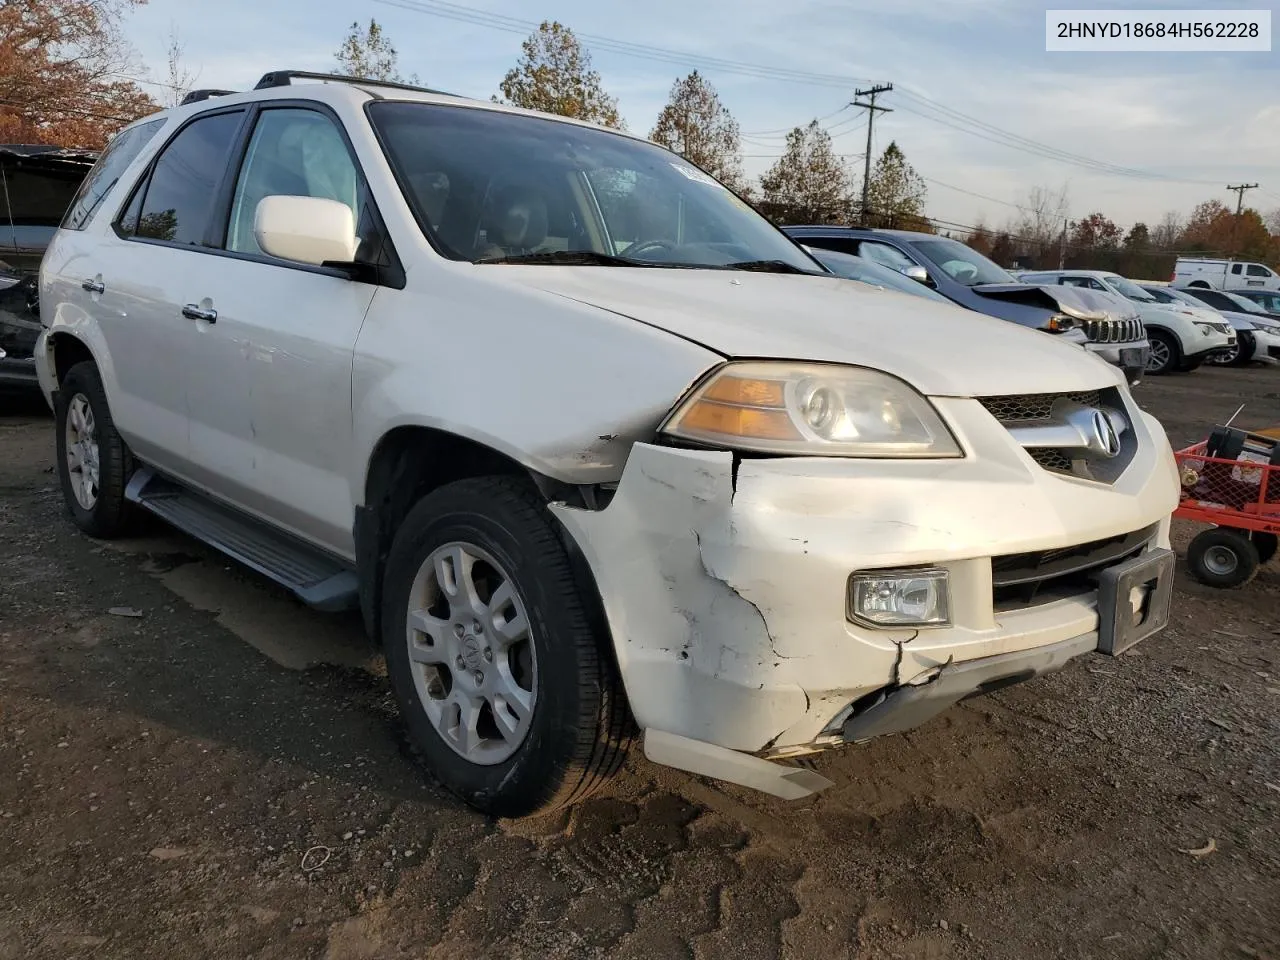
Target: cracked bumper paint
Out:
[726,597]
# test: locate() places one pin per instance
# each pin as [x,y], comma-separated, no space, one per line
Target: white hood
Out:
[942,350]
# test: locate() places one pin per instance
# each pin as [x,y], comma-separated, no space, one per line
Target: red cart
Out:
[1232,481]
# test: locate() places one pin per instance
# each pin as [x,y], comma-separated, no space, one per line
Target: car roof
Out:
[335,89]
[836,230]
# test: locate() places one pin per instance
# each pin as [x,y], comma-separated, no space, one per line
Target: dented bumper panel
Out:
[726,595]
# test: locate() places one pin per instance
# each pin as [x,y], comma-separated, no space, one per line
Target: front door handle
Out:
[193,312]
[94,286]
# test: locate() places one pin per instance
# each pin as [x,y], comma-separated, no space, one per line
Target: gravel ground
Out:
[224,775]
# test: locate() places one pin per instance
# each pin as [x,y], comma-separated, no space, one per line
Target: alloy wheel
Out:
[82,451]
[472,652]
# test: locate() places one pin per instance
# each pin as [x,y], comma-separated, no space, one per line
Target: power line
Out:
[69,111]
[980,196]
[453,11]
[939,113]
[786,130]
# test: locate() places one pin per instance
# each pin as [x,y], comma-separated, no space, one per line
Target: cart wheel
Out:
[1222,558]
[1265,544]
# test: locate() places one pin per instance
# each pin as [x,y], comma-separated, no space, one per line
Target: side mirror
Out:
[919,274]
[306,229]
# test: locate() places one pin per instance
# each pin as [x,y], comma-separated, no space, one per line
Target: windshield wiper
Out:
[581,258]
[770,266]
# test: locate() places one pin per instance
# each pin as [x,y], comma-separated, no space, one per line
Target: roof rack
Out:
[195,96]
[283,78]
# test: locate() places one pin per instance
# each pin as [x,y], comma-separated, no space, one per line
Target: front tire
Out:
[93,461]
[1166,354]
[496,654]
[1222,557]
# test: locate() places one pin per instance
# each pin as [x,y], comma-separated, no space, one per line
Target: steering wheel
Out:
[644,245]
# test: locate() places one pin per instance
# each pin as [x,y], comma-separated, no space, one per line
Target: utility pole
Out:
[1062,247]
[871,109]
[1239,191]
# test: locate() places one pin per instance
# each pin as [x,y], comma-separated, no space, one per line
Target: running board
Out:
[317,579]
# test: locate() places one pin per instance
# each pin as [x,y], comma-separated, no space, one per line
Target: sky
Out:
[1188,123]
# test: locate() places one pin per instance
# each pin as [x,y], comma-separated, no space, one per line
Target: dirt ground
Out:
[224,775]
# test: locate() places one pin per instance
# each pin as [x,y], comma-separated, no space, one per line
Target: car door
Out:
[136,276]
[270,397]
[1256,275]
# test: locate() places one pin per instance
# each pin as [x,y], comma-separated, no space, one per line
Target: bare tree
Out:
[1043,214]
[1272,220]
[179,81]
[1166,233]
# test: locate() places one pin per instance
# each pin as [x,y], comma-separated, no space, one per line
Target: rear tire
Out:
[1222,557]
[1245,344]
[93,462]
[513,727]
[1166,353]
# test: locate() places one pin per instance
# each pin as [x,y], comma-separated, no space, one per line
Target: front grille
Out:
[1040,576]
[1022,408]
[1051,459]
[1034,409]
[1114,331]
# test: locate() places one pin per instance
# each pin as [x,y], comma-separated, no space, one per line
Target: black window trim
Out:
[213,243]
[101,206]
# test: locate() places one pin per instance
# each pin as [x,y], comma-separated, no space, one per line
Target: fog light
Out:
[900,598]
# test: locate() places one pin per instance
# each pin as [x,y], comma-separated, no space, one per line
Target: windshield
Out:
[488,186]
[1128,288]
[858,268]
[1244,304]
[963,264]
[1162,296]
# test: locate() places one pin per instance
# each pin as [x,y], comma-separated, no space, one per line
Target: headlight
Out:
[811,409]
[1207,329]
[1061,323]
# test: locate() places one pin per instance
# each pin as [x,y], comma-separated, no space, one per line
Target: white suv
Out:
[594,447]
[1180,341]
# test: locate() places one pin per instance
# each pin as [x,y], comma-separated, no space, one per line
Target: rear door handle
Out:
[193,312]
[94,286]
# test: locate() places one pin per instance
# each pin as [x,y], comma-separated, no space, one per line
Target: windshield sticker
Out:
[697,176]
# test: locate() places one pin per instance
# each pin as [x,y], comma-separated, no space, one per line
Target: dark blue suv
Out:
[1100,323]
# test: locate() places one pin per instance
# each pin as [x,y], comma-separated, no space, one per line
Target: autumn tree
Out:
[807,184]
[1002,249]
[980,238]
[1096,231]
[64,72]
[696,125]
[1138,238]
[369,52]
[554,75]
[896,193]
[1214,228]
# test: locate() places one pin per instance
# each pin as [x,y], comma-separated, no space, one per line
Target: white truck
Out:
[1223,274]
[381,345]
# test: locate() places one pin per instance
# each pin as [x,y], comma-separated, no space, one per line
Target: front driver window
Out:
[295,153]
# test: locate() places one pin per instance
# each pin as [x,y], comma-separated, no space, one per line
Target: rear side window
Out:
[106,172]
[1235,268]
[178,199]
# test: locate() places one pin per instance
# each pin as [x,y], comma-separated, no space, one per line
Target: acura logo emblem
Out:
[1103,440]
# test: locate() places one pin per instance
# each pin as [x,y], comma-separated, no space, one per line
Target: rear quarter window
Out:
[106,173]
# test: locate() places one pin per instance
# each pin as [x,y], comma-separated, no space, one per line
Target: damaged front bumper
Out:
[725,585]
